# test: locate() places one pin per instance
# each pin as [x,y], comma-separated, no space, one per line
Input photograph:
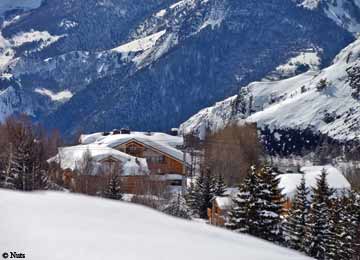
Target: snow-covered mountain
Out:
[67,226]
[343,12]
[325,101]
[100,64]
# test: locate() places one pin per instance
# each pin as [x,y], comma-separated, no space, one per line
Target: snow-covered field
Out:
[63,226]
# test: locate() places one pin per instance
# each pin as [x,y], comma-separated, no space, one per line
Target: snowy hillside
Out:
[104,63]
[66,226]
[323,100]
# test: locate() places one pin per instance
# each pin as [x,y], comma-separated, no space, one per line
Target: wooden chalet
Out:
[161,160]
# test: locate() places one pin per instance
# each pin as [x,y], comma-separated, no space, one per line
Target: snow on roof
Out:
[71,157]
[154,136]
[99,226]
[289,182]
[160,141]
[224,202]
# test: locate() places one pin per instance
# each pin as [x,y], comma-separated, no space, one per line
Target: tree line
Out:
[321,222]
[25,148]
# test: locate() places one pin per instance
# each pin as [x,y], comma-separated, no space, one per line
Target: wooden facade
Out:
[217,214]
[159,162]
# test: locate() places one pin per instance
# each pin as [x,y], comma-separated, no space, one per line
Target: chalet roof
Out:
[71,158]
[162,142]
[335,179]
[224,202]
[163,138]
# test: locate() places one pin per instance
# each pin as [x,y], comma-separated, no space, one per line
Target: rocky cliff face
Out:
[150,65]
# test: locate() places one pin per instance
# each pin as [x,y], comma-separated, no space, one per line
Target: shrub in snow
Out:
[177,207]
[113,189]
[321,85]
[354,80]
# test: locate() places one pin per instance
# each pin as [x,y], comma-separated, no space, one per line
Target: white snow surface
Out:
[141,44]
[213,118]
[71,158]
[295,102]
[310,4]
[310,58]
[67,226]
[335,179]
[7,46]
[61,96]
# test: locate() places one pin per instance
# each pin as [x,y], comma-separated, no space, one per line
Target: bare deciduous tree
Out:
[230,152]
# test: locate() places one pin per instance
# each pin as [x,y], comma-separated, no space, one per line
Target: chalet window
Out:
[156,159]
[175,182]
[133,150]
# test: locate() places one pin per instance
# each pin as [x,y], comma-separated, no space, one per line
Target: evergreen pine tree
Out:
[268,201]
[351,235]
[177,207]
[113,190]
[191,199]
[295,227]
[243,214]
[278,200]
[356,224]
[205,193]
[220,186]
[317,237]
[334,240]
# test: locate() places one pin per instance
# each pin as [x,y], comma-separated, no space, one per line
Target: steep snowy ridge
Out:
[320,100]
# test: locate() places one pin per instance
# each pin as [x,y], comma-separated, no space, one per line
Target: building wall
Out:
[158,163]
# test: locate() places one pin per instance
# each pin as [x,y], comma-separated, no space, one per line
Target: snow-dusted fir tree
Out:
[349,234]
[113,190]
[177,207]
[318,236]
[334,240]
[295,225]
[205,192]
[243,215]
[355,213]
[191,198]
[220,186]
[269,205]
[278,201]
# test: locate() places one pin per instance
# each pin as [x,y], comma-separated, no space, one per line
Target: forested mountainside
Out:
[101,64]
[318,102]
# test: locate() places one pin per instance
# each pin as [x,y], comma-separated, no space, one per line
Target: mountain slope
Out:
[59,225]
[150,66]
[325,101]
